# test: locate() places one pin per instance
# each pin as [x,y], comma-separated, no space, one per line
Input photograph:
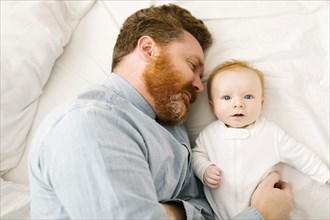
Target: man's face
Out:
[173,79]
[168,87]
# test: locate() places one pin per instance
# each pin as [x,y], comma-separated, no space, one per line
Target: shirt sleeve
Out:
[92,180]
[198,208]
[249,213]
[96,166]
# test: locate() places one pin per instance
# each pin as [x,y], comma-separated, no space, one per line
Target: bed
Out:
[53,50]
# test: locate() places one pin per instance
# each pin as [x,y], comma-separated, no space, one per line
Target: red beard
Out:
[167,86]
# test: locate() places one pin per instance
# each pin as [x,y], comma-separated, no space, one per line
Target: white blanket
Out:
[287,40]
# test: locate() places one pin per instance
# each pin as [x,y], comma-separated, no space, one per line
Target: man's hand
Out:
[175,211]
[212,176]
[273,198]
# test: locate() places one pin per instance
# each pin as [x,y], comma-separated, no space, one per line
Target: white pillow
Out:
[33,34]
[15,200]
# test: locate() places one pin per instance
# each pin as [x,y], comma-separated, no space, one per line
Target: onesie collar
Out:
[242,133]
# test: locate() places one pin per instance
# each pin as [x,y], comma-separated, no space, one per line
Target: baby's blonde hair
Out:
[231,64]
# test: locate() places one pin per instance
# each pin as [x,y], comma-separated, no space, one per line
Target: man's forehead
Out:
[190,45]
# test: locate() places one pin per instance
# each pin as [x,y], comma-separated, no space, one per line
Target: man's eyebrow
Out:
[199,61]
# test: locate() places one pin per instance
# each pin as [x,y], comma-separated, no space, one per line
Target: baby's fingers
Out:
[214,176]
[213,182]
[215,170]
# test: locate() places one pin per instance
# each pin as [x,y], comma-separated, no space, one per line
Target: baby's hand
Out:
[212,176]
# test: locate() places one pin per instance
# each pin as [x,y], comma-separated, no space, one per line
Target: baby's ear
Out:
[211,106]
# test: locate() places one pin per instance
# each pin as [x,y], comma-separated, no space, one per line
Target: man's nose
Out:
[198,84]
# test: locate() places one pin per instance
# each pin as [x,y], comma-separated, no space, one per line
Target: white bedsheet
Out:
[287,40]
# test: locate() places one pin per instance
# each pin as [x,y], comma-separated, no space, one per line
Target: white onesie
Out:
[245,156]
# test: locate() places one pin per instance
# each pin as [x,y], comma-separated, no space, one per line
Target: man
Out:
[120,151]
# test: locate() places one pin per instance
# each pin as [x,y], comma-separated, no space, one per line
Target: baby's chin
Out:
[236,126]
[239,125]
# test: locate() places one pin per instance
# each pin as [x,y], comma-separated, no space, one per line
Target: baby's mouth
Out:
[238,115]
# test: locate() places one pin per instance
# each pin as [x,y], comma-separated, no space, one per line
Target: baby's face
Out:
[237,97]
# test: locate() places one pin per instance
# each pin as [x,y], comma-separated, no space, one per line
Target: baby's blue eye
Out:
[248,97]
[226,97]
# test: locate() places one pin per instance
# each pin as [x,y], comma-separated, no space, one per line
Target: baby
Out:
[241,147]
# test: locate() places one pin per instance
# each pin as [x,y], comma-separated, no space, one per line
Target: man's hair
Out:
[232,64]
[163,24]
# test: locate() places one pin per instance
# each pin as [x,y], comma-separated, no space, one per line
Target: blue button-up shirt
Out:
[103,155]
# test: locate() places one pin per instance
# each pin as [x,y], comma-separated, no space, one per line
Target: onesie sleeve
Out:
[301,157]
[200,158]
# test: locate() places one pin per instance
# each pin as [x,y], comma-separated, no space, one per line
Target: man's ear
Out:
[146,47]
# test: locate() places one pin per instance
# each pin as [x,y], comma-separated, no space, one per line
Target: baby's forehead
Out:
[236,71]
[237,77]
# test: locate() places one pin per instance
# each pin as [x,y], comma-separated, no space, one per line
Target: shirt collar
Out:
[126,90]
